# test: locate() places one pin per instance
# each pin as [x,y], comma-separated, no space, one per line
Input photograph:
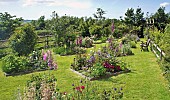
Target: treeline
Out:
[98,26]
[65,29]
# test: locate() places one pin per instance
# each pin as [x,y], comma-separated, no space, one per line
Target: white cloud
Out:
[4,2]
[164,4]
[83,4]
[8,0]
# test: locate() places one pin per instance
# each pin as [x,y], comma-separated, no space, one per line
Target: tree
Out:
[8,23]
[23,40]
[99,14]
[41,23]
[130,17]
[96,30]
[139,17]
[161,19]
[139,21]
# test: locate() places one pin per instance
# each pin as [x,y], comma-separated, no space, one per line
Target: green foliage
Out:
[126,50]
[23,40]
[99,14]
[59,50]
[160,19]
[132,44]
[87,42]
[15,64]
[8,23]
[103,39]
[96,30]
[164,39]
[165,46]
[129,19]
[98,70]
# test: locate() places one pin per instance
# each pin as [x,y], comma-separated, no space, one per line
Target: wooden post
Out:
[161,55]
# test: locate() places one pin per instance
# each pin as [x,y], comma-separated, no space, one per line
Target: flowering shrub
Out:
[43,87]
[119,49]
[42,60]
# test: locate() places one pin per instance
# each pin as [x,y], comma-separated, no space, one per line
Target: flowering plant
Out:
[43,87]
[42,60]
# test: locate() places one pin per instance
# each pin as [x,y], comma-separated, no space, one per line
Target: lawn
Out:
[144,82]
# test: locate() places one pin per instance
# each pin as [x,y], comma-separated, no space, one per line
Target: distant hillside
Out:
[27,21]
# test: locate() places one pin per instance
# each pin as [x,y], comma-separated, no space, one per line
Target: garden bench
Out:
[144,46]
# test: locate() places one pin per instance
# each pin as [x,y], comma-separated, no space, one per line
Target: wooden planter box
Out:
[22,73]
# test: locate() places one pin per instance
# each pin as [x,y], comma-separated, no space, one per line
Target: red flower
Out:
[82,87]
[118,68]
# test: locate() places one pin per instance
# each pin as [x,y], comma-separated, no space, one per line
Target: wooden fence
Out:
[46,39]
[157,51]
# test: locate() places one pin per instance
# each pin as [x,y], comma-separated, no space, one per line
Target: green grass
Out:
[145,82]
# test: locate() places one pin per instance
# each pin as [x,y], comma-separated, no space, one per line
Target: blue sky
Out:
[33,9]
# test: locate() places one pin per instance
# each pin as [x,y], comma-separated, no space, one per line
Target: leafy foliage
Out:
[23,40]
[15,64]
[8,23]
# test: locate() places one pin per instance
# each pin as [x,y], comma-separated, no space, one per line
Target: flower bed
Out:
[44,87]
[99,64]
[37,61]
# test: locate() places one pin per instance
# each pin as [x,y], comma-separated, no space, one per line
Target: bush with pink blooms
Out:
[42,60]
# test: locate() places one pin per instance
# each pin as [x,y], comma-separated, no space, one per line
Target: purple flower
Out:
[120,45]
[92,59]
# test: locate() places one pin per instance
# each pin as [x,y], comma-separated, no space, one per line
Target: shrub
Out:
[103,39]
[87,42]
[59,50]
[126,50]
[15,64]
[23,40]
[132,44]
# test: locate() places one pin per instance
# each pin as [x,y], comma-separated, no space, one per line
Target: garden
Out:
[71,58]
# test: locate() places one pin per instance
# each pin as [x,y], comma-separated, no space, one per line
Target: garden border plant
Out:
[37,61]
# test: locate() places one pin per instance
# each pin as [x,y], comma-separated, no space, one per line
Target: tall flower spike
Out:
[113,27]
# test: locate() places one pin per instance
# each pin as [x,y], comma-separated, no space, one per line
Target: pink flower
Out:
[55,66]
[45,56]
[113,27]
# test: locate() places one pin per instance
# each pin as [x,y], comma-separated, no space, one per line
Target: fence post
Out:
[161,55]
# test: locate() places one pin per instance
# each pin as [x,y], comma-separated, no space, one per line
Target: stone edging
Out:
[102,77]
